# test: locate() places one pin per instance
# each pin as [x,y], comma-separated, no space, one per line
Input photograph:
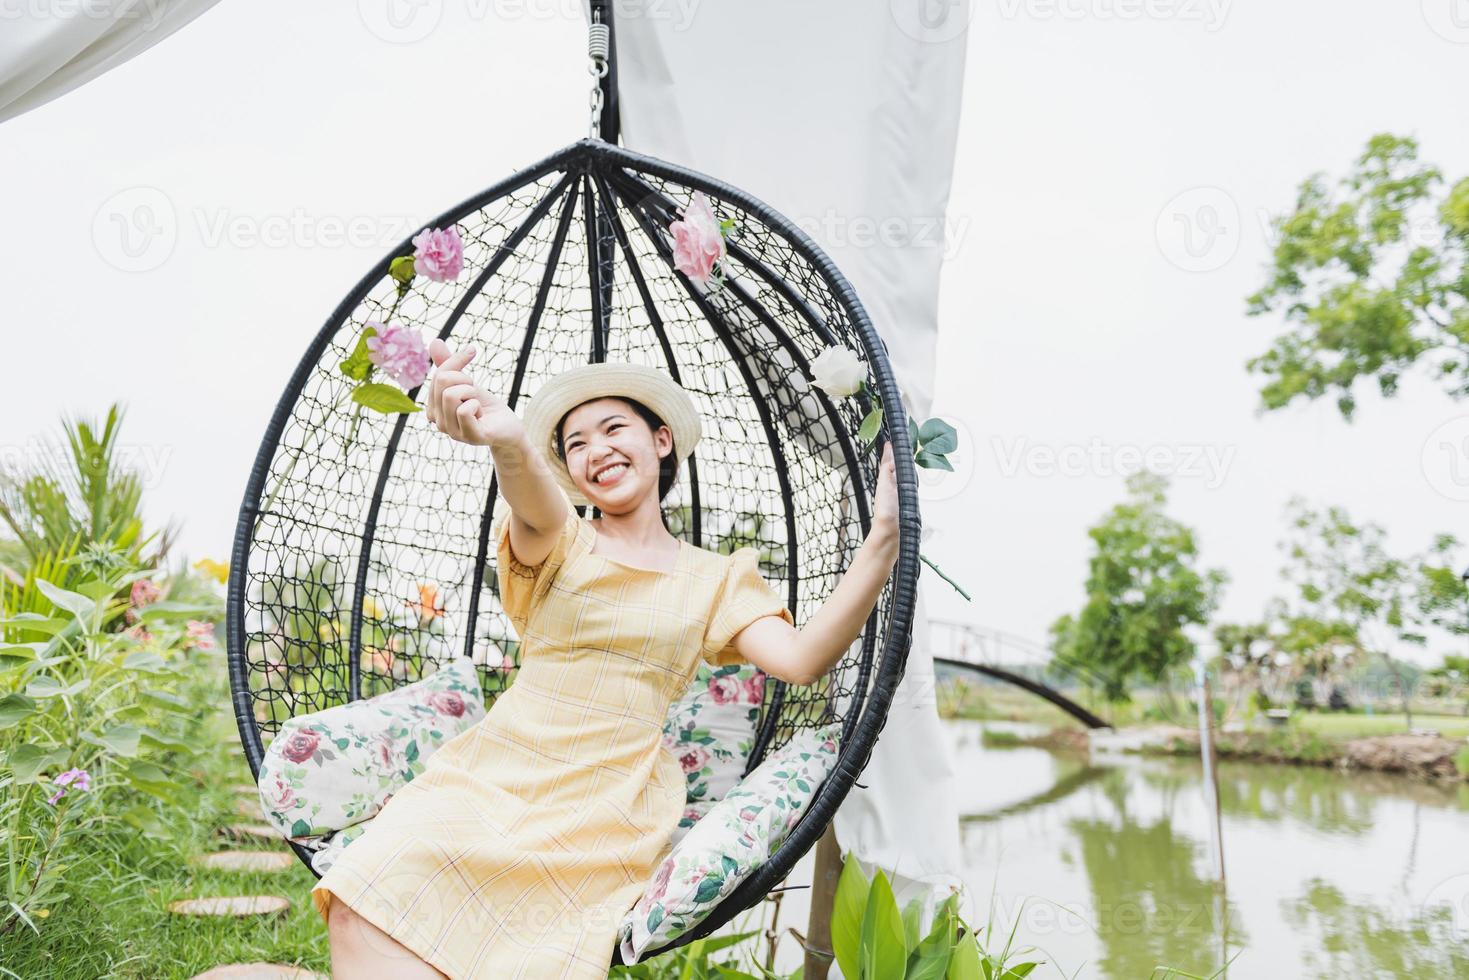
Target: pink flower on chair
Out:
[400,352]
[698,240]
[724,689]
[438,254]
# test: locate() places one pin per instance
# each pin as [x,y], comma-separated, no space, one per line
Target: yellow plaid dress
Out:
[518,850]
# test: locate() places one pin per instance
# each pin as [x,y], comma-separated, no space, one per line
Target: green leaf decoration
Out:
[964,964]
[402,269]
[384,398]
[870,425]
[73,602]
[300,828]
[932,461]
[357,366]
[938,436]
[846,918]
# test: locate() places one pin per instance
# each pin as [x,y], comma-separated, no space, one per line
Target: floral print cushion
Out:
[711,730]
[331,769]
[736,836]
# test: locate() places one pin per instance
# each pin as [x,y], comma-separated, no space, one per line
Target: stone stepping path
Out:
[236,905]
[247,788]
[246,860]
[249,808]
[250,831]
[258,971]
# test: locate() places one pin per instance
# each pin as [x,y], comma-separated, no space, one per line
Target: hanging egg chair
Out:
[568,262]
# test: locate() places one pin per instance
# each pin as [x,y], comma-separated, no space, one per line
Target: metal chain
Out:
[599,37]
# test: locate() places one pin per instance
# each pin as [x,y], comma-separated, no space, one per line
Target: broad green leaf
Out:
[1019,972]
[15,707]
[167,741]
[357,365]
[938,436]
[149,778]
[121,739]
[884,956]
[35,621]
[912,433]
[47,686]
[930,961]
[964,964]
[73,602]
[846,916]
[930,461]
[911,914]
[868,431]
[384,398]
[147,661]
[144,819]
[173,611]
[28,761]
[29,651]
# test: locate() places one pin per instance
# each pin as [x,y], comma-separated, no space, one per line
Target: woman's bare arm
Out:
[471,415]
[803,656]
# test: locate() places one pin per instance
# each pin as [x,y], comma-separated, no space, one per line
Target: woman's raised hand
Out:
[463,410]
[885,500]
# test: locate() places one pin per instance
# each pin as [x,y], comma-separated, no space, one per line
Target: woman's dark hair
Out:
[667,466]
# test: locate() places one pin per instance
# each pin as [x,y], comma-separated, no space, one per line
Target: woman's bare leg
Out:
[362,951]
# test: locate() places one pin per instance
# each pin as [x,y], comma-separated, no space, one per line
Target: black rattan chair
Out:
[568,262]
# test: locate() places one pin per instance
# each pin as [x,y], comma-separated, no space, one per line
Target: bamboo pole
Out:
[825,874]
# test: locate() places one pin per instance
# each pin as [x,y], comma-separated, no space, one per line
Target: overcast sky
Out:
[1118,163]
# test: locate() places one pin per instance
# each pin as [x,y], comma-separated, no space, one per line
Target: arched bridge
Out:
[1005,657]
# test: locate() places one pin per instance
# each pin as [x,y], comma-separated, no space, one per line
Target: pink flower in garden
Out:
[137,632]
[144,591]
[400,352]
[301,745]
[724,689]
[280,795]
[438,254]
[447,703]
[201,634]
[755,688]
[698,242]
[693,760]
[78,779]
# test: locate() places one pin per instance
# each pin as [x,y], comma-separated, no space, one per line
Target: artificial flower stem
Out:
[957,588]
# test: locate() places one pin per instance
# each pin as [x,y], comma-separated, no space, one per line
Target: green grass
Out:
[1352,725]
[115,921]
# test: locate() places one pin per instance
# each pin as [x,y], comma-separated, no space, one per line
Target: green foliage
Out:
[1142,589]
[1372,279]
[873,940]
[689,962]
[91,500]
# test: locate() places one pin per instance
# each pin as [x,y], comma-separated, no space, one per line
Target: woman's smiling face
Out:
[611,453]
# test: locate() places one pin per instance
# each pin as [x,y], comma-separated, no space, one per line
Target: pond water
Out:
[1103,864]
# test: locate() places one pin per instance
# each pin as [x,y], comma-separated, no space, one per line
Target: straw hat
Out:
[655,389]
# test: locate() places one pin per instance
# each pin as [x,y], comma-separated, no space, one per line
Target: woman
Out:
[518,850]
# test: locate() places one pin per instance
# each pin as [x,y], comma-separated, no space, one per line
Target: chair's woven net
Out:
[367,540]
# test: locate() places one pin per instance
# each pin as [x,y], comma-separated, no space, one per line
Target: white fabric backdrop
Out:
[842,116]
[48,50]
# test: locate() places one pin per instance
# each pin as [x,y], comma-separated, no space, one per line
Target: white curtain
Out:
[46,50]
[842,116]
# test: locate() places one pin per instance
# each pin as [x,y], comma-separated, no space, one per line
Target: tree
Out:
[1352,598]
[1142,589]
[1373,280]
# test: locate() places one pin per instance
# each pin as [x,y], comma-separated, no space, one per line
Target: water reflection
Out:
[1102,864]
